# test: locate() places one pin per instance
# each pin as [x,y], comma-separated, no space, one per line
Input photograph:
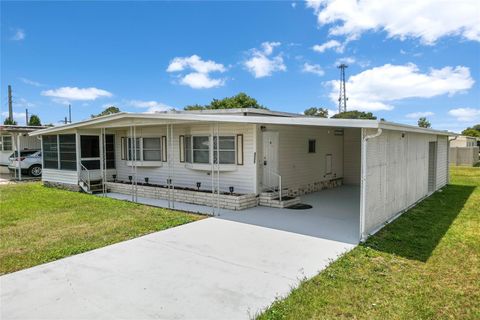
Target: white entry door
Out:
[270,159]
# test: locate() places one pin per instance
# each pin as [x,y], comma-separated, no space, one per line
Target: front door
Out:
[270,159]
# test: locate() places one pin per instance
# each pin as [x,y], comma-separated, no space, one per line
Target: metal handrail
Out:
[82,178]
[279,184]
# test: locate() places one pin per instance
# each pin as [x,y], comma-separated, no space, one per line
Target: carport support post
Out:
[17,136]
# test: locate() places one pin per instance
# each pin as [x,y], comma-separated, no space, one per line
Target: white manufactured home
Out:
[241,158]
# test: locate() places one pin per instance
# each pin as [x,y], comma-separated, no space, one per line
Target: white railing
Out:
[279,178]
[85,176]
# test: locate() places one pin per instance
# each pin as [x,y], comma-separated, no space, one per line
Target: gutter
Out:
[363,180]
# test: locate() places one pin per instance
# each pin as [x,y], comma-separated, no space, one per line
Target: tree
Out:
[10,122]
[316,112]
[354,114]
[424,123]
[194,107]
[109,110]
[472,131]
[240,100]
[34,120]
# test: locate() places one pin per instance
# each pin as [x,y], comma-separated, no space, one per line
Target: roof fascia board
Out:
[404,127]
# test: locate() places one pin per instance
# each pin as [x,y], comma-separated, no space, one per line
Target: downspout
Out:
[363,180]
[448,158]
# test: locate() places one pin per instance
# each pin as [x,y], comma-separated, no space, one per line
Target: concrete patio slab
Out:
[215,268]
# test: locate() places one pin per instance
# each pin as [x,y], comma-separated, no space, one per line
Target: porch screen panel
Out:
[110,151]
[68,154]
[90,151]
[50,152]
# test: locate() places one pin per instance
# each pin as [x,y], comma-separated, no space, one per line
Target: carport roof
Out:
[124,119]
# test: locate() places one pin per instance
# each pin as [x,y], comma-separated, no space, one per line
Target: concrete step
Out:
[276,203]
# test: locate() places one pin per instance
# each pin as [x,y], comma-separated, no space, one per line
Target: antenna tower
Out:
[342,99]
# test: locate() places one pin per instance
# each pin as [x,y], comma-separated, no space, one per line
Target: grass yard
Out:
[40,224]
[425,265]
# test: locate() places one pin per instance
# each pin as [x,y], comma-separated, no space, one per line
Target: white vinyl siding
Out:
[296,165]
[61,176]
[238,176]
[397,174]
[352,156]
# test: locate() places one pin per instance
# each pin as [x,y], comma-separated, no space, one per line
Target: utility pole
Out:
[66,121]
[69,113]
[10,108]
[26,117]
[342,99]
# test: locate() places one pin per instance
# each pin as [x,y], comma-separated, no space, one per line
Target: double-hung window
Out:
[146,149]
[197,149]
[226,149]
[152,150]
[201,149]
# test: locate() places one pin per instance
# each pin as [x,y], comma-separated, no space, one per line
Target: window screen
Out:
[90,146]
[50,152]
[226,149]
[151,149]
[201,149]
[68,154]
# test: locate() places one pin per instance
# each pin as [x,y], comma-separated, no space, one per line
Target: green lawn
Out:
[40,224]
[425,265]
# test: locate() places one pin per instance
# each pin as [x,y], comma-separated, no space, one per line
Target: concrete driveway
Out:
[209,269]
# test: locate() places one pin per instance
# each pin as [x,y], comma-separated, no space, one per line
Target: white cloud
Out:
[331,44]
[376,88]
[74,93]
[427,20]
[18,35]
[151,105]
[345,60]
[30,82]
[200,77]
[262,64]
[416,115]
[197,80]
[465,114]
[313,68]
[294,5]
[195,63]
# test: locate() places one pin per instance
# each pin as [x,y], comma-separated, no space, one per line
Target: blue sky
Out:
[405,59]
